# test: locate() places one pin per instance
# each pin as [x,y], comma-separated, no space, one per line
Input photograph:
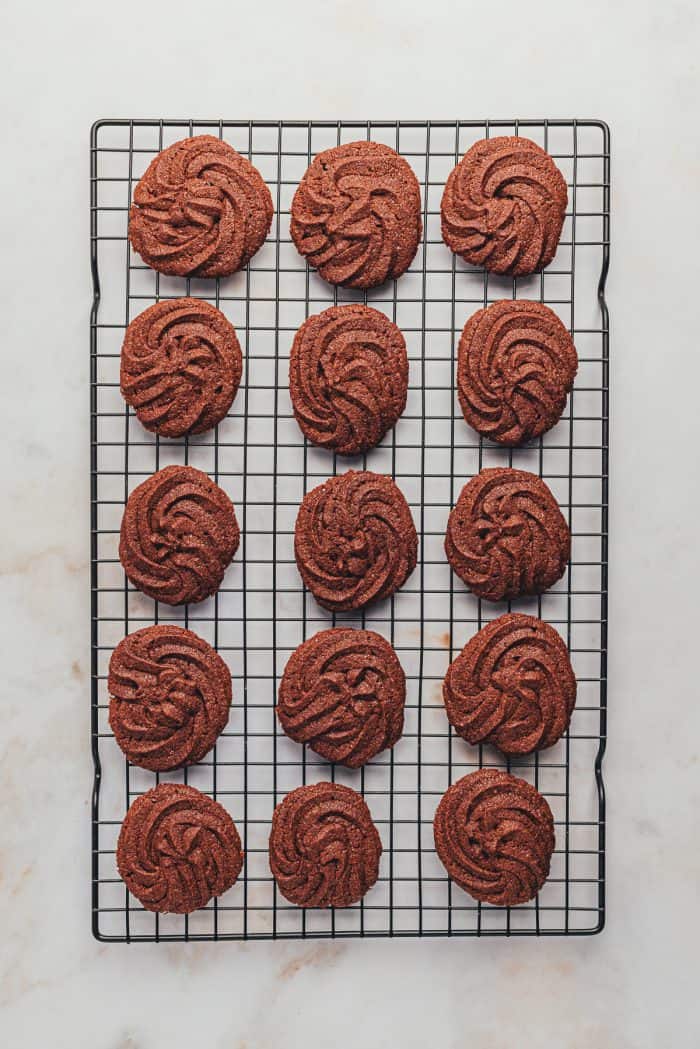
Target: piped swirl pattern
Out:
[506,535]
[356,215]
[178,849]
[494,834]
[178,535]
[200,210]
[170,694]
[343,693]
[181,364]
[354,540]
[512,685]
[324,846]
[503,206]
[348,378]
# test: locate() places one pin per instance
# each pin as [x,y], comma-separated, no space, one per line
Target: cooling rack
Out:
[258,455]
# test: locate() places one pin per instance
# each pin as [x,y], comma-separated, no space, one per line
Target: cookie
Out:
[181,364]
[348,378]
[354,540]
[343,693]
[512,685]
[494,834]
[170,694]
[515,369]
[178,849]
[503,206]
[506,536]
[324,847]
[200,210]
[356,215]
[178,535]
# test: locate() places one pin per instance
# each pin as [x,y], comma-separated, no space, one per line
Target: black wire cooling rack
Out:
[262,613]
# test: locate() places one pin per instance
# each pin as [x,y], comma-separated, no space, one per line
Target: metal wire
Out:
[262,613]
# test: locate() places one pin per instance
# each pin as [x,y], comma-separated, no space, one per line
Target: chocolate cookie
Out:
[348,377]
[512,685]
[200,210]
[495,836]
[515,368]
[170,697]
[179,534]
[506,536]
[181,364]
[356,215]
[178,849]
[324,847]
[354,540]
[503,206]
[343,693]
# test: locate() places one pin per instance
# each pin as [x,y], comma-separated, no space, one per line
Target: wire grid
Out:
[262,613]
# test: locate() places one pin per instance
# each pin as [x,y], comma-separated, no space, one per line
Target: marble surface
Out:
[633,64]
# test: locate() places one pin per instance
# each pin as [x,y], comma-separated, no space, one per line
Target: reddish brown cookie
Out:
[512,685]
[348,378]
[178,849]
[324,847]
[179,534]
[343,693]
[181,364]
[516,366]
[503,206]
[354,540]
[506,536]
[170,697]
[495,836]
[200,210]
[356,215]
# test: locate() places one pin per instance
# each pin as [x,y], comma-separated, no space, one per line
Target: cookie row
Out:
[354,538]
[178,848]
[342,693]
[203,210]
[181,365]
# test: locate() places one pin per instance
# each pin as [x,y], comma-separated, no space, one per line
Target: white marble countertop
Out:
[633,64]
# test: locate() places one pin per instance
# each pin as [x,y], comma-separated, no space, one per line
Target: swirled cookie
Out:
[178,535]
[506,535]
[354,540]
[494,834]
[356,215]
[177,849]
[516,366]
[503,206]
[181,364]
[200,210]
[512,685]
[343,693]
[170,694]
[324,847]
[348,377]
